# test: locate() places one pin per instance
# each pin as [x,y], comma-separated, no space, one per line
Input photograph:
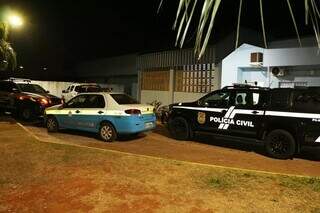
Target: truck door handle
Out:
[255,112]
[77,111]
[100,112]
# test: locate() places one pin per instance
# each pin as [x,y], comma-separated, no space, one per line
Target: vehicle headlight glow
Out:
[43,101]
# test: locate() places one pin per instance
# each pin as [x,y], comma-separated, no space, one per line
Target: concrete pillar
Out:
[171,85]
[139,86]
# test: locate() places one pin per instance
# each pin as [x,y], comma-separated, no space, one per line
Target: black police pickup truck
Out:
[25,99]
[284,119]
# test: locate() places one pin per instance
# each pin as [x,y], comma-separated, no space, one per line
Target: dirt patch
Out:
[60,196]
[62,178]
[206,149]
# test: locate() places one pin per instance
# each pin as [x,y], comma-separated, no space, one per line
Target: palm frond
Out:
[160,5]
[238,25]
[262,24]
[202,46]
[7,54]
[312,13]
[294,22]
[209,11]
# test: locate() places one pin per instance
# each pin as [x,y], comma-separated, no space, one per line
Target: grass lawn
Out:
[41,177]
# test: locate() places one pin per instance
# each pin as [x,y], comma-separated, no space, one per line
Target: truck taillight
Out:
[133,111]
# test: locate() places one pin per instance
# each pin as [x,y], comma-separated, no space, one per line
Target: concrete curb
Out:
[159,158]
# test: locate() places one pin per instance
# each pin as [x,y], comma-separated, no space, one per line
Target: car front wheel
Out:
[27,113]
[280,144]
[180,129]
[52,124]
[107,132]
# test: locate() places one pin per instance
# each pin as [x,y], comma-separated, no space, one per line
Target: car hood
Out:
[39,95]
[189,104]
[54,107]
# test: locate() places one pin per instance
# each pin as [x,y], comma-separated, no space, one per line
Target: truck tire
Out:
[180,129]
[107,132]
[280,144]
[52,124]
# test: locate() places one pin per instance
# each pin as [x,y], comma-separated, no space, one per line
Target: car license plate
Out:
[148,125]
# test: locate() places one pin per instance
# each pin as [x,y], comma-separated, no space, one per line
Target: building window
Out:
[155,80]
[200,81]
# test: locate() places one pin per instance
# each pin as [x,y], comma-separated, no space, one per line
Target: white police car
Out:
[109,114]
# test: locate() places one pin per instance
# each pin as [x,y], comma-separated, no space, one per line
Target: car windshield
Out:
[33,88]
[123,99]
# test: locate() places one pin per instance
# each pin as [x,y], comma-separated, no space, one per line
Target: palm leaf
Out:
[262,24]
[209,11]
[188,24]
[238,25]
[312,12]
[7,54]
[294,22]
[206,40]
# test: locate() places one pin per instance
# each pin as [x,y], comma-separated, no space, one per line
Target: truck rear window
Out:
[123,99]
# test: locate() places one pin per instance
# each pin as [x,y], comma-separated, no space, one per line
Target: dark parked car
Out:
[24,99]
[282,119]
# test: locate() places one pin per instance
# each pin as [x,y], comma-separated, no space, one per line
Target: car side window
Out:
[94,101]
[216,99]
[76,102]
[249,99]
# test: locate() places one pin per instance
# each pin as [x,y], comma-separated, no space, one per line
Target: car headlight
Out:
[43,101]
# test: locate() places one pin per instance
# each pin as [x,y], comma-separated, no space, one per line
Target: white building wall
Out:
[187,96]
[54,87]
[240,60]
[148,96]
[291,57]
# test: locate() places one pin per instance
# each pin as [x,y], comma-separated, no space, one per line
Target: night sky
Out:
[59,34]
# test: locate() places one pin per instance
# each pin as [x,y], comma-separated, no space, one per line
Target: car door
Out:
[306,103]
[248,113]
[212,110]
[91,113]
[68,116]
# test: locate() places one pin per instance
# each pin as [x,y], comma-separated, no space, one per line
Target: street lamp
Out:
[9,19]
[15,20]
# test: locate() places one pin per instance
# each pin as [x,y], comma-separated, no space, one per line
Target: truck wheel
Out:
[180,129]
[107,132]
[280,144]
[52,124]
[27,113]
